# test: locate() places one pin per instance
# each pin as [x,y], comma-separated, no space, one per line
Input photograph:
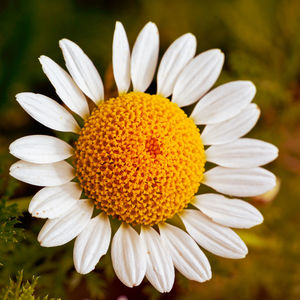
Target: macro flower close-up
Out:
[170,180]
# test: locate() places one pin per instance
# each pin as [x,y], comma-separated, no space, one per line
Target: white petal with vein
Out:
[128,254]
[121,58]
[65,87]
[160,269]
[91,244]
[197,77]
[174,60]
[228,212]
[82,70]
[59,231]
[40,149]
[186,255]
[213,237]
[242,153]
[48,112]
[232,129]
[52,202]
[42,174]
[240,182]
[223,102]
[144,57]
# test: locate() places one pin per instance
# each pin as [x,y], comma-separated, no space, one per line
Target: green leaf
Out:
[9,215]
[20,290]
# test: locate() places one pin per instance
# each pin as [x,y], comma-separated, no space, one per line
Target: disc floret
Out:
[140,158]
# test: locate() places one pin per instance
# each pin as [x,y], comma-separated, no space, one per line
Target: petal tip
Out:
[45,244]
[82,271]
[257,108]
[221,57]
[190,35]
[251,86]
[151,25]
[31,209]
[12,168]
[209,275]
[20,97]
[260,219]
[119,24]
[10,149]
[43,58]
[276,151]
[64,41]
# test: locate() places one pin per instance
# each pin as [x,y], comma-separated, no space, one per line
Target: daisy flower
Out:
[139,158]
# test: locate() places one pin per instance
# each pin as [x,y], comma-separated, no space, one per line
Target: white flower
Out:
[141,159]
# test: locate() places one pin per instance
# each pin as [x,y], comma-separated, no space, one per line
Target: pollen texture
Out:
[139,158]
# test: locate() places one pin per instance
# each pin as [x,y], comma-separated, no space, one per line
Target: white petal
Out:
[82,70]
[160,269]
[65,87]
[52,202]
[121,59]
[215,238]
[40,149]
[198,77]
[186,255]
[144,57]
[128,254]
[242,153]
[174,60]
[91,244]
[59,231]
[228,212]
[224,102]
[42,174]
[232,129]
[48,112]
[240,182]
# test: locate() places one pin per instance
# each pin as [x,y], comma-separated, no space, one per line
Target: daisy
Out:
[140,159]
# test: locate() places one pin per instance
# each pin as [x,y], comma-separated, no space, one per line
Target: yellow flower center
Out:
[140,158]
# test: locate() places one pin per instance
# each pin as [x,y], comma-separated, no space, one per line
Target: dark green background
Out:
[261,42]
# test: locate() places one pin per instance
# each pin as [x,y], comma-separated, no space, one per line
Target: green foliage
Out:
[51,264]
[8,219]
[20,290]
[9,215]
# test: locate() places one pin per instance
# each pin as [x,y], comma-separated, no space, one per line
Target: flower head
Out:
[141,159]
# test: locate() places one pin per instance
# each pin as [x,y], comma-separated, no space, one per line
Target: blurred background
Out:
[261,42]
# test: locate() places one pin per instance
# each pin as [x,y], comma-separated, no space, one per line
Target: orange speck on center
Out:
[140,158]
[152,146]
